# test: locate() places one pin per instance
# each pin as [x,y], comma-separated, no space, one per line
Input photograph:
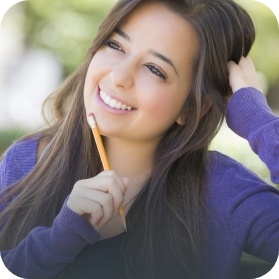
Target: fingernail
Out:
[125,180]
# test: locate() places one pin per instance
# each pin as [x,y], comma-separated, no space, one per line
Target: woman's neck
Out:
[130,159]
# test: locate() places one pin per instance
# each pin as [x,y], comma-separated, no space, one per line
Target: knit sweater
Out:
[242,210]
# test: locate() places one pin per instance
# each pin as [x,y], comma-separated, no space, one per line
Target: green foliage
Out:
[65,27]
[7,137]
[265,50]
[68,27]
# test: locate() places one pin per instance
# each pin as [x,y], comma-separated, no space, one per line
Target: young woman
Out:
[158,78]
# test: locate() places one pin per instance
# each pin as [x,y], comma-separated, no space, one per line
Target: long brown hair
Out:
[165,224]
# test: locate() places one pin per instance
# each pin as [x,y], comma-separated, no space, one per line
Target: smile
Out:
[113,103]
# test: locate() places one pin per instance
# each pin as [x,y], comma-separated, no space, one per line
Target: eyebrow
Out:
[163,58]
[153,52]
[123,35]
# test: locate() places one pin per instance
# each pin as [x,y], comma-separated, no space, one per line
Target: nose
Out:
[123,74]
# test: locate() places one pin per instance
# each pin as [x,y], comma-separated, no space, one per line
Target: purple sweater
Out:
[243,211]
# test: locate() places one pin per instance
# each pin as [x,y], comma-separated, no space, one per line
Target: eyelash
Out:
[114,45]
[153,68]
[156,71]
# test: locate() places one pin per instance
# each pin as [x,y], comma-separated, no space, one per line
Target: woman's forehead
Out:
[155,26]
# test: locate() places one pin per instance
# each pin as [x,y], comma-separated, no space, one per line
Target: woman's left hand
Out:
[243,74]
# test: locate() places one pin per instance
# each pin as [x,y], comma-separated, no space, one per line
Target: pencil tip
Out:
[123,220]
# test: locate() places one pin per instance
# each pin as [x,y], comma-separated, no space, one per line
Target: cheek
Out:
[90,85]
[94,73]
[163,107]
[94,68]
[98,64]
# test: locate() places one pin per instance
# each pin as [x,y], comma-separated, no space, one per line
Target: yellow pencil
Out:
[103,156]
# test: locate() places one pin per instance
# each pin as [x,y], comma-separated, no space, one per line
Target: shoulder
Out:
[241,207]
[219,164]
[223,171]
[230,182]
[18,160]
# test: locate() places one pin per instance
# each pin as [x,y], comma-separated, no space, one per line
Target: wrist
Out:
[247,110]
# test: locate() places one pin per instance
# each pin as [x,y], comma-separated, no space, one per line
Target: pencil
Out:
[104,159]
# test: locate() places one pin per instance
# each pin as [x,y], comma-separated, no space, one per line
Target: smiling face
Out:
[138,81]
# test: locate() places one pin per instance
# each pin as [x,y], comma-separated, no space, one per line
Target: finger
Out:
[246,65]
[96,213]
[95,217]
[86,206]
[104,181]
[232,66]
[125,181]
[106,186]
[242,62]
[235,76]
[105,200]
[250,73]
[96,208]
[120,182]
[116,187]
[117,195]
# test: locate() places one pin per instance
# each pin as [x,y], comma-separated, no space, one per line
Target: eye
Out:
[156,71]
[114,45]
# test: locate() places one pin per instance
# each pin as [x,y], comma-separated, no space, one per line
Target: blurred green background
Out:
[67,28]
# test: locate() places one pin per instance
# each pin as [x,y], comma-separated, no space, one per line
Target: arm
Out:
[253,212]
[91,204]
[46,251]
[249,115]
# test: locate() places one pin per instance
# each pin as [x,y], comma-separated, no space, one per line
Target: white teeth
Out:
[107,100]
[112,102]
[118,105]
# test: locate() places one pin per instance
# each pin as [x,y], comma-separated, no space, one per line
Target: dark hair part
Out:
[165,223]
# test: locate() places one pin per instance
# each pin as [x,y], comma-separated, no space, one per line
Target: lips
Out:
[113,103]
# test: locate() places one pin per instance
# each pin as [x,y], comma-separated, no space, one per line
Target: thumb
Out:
[125,181]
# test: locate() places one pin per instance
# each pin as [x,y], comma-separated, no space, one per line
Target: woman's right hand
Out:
[99,198]
[243,74]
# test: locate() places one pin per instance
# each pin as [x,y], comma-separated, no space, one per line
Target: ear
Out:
[180,120]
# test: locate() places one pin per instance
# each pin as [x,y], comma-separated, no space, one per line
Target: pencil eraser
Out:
[91,114]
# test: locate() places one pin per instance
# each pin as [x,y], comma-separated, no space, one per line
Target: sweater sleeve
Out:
[253,212]
[46,250]
[17,162]
[249,116]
